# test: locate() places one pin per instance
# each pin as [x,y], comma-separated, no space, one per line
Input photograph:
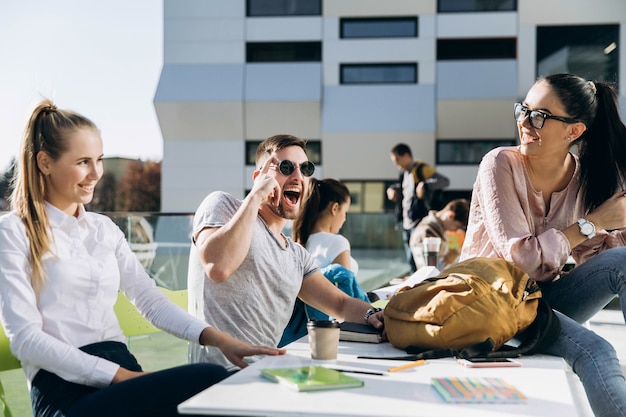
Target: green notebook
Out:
[311,378]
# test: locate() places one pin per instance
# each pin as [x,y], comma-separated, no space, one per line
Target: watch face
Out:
[586,229]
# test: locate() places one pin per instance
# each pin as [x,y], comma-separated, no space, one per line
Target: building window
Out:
[453,6]
[313,151]
[368,196]
[283,52]
[391,27]
[284,7]
[378,73]
[466,49]
[589,51]
[467,152]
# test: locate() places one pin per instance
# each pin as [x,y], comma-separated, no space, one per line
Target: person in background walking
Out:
[413,194]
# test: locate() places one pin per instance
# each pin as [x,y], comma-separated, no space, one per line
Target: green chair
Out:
[7,363]
[131,322]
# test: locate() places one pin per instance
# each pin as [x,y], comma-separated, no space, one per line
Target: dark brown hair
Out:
[322,193]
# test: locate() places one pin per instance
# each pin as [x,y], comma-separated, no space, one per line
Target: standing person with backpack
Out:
[417,184]
[536,203]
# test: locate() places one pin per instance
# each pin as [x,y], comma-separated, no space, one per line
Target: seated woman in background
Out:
[62,268]
[438,223]
[317,229]
[318,224]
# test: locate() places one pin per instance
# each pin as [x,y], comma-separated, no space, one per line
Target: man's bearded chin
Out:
[285,214]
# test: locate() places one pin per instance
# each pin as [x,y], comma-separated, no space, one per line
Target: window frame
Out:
[285,5]
[413,65]
[470,9]
[550,39]
[253,48]
[487,144]
[346,20]
[464,49]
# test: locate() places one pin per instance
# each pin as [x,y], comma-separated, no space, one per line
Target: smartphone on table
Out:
[488,363]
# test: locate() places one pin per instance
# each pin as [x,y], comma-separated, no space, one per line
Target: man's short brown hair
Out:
[276,143]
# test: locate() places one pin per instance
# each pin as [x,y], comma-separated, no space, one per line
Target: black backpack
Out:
[433,201]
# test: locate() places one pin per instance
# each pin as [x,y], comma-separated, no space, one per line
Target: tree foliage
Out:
[105,195]
[139,189]
[6,186]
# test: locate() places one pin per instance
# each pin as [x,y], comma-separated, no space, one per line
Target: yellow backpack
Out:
[471,309]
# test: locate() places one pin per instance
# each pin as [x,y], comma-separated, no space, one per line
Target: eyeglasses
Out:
[286,167]
[536,117]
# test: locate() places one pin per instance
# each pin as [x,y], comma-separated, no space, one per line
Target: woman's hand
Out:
[611,214]
[234,349]
[124,374]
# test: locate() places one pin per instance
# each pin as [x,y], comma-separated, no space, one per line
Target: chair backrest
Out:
[7,360]
[133,323]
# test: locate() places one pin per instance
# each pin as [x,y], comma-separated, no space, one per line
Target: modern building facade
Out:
[355,77]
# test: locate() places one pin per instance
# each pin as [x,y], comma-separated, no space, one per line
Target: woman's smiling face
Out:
[553,134]
[71,179]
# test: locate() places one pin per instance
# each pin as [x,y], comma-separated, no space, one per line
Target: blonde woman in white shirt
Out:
[61,271]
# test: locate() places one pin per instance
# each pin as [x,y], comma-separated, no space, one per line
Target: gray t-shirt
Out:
[255,303]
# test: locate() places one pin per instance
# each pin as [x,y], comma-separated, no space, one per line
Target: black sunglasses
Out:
[537,118]
[286,167]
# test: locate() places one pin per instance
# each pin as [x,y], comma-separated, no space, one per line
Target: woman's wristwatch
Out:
[370,311]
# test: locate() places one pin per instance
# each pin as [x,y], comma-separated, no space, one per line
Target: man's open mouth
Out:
[292,195]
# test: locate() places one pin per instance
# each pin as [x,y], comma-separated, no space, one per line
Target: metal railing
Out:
[162,240]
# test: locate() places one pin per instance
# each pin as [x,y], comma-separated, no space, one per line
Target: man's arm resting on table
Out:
[320,293]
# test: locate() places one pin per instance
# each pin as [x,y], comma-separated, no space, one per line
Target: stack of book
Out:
[359,332]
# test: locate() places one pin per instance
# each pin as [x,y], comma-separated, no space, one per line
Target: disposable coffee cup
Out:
[323,339]
[431,246]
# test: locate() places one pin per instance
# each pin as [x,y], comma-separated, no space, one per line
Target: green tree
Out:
[139,189]
[105,195]
[6,186]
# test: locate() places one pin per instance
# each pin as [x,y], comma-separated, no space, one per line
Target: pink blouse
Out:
[508,219]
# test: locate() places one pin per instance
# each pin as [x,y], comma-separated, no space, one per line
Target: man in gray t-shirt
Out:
[244,273]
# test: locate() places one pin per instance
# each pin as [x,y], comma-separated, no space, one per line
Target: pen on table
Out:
[407,366]
[355,371]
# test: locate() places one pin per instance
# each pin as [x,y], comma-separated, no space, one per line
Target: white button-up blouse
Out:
[88,263]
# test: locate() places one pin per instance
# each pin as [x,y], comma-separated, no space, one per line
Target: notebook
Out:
[477,390]
[311,378]
[358,332]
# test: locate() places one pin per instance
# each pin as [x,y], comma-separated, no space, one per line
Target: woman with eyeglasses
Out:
[62,268]
[537,203]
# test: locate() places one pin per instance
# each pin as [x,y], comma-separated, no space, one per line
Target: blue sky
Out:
[100,58]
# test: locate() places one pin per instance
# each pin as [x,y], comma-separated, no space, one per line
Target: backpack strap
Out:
[542,332]
[417,171]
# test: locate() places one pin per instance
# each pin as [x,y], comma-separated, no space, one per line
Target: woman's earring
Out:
[568,139]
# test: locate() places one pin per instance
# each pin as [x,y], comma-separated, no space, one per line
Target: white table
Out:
[408,393]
